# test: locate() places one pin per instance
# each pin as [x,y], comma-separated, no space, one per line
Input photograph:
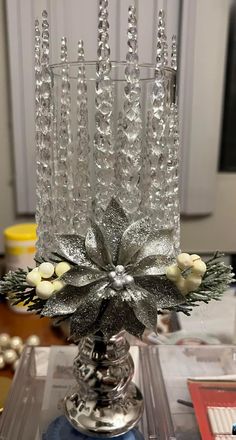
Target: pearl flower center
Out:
[119,279]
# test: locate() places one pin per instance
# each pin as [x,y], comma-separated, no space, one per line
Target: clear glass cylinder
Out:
[112,137]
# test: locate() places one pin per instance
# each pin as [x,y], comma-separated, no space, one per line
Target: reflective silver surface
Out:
[105,402]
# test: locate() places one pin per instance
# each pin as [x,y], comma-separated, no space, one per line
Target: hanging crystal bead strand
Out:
[174,53]
[119,136]
[82,188]
[157,145]
[44,113]
[64,157]
[172,209]
[104,156]
[37,67]
[129,160]
[145,179]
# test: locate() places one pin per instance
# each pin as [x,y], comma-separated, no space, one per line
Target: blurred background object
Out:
[206,34]
[20,241]
[202,28]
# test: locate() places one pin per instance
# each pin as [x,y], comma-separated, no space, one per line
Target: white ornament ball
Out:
[112,275]
[181,285]
[119,269]
[184,261]
[44,289]
[193,282]
[4,340]
[2,362]
[33,278]
[10,356]
[128,280]
[117,285]
[20,349]
[46,270]
[199,267]
[195,257]
[16,343]
[33,341]
[173,273]
[62,268]
[57,285]
[16,364]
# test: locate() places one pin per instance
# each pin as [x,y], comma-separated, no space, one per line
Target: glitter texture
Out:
[126,284]
[133,239]
[72,247]
[81,276]
[96,247]
[114,223]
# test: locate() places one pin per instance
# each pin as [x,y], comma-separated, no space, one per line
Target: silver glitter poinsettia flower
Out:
[117,281]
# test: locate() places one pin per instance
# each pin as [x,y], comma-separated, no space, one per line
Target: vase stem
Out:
[105,402]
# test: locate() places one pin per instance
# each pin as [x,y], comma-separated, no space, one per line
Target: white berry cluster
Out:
[119,279]
[11,349]
[41,278]
[193,278]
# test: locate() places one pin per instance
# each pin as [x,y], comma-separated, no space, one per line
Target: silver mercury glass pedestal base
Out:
[104,403]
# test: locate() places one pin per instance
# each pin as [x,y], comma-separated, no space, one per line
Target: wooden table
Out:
[24,325]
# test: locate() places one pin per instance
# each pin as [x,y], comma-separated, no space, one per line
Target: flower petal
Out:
[114,317]
[145,310]
[133,325]
[165,292]
[151,265]
[114,224]
[119,316]
[96,246]
[81,276]
[159,243]
[68,299]
[73,248]
[62,303]
[133,239]
[84,320]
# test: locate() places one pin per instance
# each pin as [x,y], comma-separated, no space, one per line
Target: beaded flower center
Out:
[119,279]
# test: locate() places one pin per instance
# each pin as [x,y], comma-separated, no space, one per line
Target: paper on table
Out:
[178,363]
[224,378]
[41,361]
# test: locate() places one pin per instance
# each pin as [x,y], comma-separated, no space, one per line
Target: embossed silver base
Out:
[104,403]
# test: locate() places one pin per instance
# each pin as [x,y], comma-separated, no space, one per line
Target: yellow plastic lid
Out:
[21,232]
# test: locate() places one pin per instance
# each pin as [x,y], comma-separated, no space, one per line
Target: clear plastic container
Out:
[26,415]
[20,243]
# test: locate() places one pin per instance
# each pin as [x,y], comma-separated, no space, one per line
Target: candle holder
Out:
[107,211]
[104,402]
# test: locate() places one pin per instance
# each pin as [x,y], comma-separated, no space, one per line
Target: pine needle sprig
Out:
[14,286]
[215,282]
[14,282]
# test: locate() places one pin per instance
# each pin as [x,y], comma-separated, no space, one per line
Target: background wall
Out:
[6,162]
[199,234]
[216,231]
